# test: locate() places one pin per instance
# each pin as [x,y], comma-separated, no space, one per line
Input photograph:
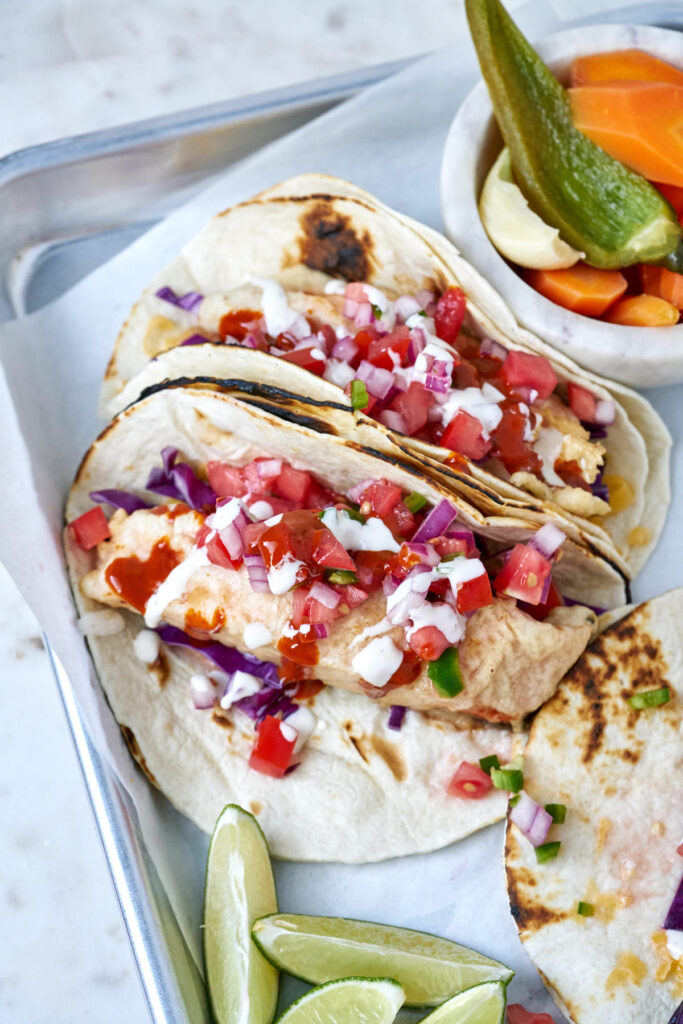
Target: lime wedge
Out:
[483,1004]
[243,986]
[350,1001]
[319,949]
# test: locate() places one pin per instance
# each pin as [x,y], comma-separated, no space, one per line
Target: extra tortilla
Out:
[390,786]
[311,228]
[620,773]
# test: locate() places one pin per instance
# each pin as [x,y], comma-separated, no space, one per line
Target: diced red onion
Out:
[394,421]
[320,630]
[256,570]
[190,301]
[382,403]
[438,384]
[345,349]
[531,819]
[349,309]
[364,315]
[268,468]
[389,585]
[203,697]
[489,347]
[464,535]
[310,341]
[406,306]
[355,493]
[325,594]
[251,341]
[195,339]
[427,553]
[424,297]
[547,540]
[418,341]
[232,540]
[605,412]
[437,521]
[674,915]
[396,715]
[377,380]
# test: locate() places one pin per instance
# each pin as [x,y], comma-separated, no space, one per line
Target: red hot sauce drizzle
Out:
[136,579]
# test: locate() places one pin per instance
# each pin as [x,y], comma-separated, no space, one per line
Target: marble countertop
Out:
[71,66]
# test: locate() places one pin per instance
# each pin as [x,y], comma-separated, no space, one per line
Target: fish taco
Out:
[311,627]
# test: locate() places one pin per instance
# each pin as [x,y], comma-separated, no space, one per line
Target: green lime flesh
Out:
[243,985]
[319,949]
[482,1004]
[349,1001]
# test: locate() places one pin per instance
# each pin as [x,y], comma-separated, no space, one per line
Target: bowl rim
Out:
[644,348]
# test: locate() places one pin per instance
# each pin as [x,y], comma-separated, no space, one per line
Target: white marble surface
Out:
[70,66]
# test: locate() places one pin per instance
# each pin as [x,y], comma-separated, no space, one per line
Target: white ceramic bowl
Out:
[640,356]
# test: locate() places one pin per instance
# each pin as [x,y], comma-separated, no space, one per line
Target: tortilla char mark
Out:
[136,753]
[529,915]
[329,242]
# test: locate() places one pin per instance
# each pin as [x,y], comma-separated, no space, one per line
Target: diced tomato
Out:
[414,405]
[256,485]
[373,566]
[251,535]
[470,781]
[406,673]
[318,496]
[474,594]
[291,538]
[293,484]
[465,375]
[582,402]
[306,359]
[518,1015]
[524,574]
[307,609]
[464,434]
[226,481]
[381,349]
[452,546]
[428,642]
[278,505]
[330,552]
[450,313]
[215,549]
[363,340]
[523,369]
[90,528]
[541,611]
[355,291]
[352,595]
[400,520]
[272,752]
[382,496]
[509,445]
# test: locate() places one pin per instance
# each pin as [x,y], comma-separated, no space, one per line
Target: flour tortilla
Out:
[362,792]
[278,234]
[620,773]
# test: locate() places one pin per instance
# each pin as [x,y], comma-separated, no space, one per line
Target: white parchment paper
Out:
[388,140]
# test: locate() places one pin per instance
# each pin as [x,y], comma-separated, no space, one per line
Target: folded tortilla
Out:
[620,773]
[312,229]
[361,792]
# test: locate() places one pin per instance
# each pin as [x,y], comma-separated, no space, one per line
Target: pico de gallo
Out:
[296,561]
[415,365]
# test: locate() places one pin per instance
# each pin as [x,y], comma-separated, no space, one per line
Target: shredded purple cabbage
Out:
[677,1017]
[593,607]
[190,301]
[674,916]
[194,339]
[599,489]
[179,480]
[396,716]
[226,658]
[119,499]
[596,430]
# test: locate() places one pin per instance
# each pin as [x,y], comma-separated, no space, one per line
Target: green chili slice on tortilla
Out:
[650,698]
[558,812]
[415,502]
[445,673]
[487,763]
[510,779]
[359,394]
[585,909]
[342,576]
[548,851]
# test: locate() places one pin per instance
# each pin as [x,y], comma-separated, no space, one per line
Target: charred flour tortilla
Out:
[311,229]
[620,773]
[391,785]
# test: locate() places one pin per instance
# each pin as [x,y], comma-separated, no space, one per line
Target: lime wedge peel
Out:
[350,1001]
[482,1004]
[243,986]
[321,949]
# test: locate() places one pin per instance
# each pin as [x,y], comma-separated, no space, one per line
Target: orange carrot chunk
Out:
[581,288]
[663,283]
[623,66]
[643,311]
[639,123]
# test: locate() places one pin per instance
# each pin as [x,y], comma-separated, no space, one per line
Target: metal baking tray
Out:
[67,207]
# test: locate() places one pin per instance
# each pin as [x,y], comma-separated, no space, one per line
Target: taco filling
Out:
[288,586]
[417,365]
